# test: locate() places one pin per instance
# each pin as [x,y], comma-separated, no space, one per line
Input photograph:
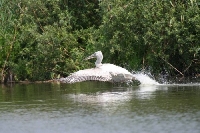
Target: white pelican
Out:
[102,72]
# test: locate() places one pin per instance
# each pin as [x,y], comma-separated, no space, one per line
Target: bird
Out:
[102,72]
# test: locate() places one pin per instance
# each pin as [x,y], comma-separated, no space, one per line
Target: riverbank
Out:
[172,80]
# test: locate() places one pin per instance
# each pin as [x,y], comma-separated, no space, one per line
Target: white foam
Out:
[145,79]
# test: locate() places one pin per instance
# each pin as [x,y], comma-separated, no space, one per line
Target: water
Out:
[99,107]
[145,79]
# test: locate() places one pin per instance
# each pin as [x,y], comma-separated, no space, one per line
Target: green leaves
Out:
[152,34]
[40,40]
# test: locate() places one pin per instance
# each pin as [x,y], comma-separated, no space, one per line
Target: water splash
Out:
[144,79]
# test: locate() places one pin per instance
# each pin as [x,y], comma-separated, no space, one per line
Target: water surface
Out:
[90,107]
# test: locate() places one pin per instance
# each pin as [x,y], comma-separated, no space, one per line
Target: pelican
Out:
[102,72]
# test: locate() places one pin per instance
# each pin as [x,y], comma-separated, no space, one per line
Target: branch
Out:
[169,64]
[188,67]
[172,66]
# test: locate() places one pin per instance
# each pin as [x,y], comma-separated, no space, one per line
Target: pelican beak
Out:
[90,57]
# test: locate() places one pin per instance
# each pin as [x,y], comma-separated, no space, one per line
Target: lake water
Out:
[97,107]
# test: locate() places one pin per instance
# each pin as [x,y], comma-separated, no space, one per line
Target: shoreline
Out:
[172,80]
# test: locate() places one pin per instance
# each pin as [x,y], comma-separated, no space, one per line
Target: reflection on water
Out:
[99,107]
[103,97]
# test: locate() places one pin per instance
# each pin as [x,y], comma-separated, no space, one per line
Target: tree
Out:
[51,40]
[8,37]
[155,35]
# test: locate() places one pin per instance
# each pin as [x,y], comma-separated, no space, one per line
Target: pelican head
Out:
[99,57]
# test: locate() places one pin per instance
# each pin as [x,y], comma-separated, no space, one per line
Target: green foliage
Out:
[121,34]
[48,42]
[8,36]
[161,35]
[86,13]
[41,40]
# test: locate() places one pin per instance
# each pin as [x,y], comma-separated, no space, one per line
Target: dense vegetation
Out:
[45,39]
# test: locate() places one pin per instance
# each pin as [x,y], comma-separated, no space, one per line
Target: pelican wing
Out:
[94,74]
[105,72]
[118,74]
